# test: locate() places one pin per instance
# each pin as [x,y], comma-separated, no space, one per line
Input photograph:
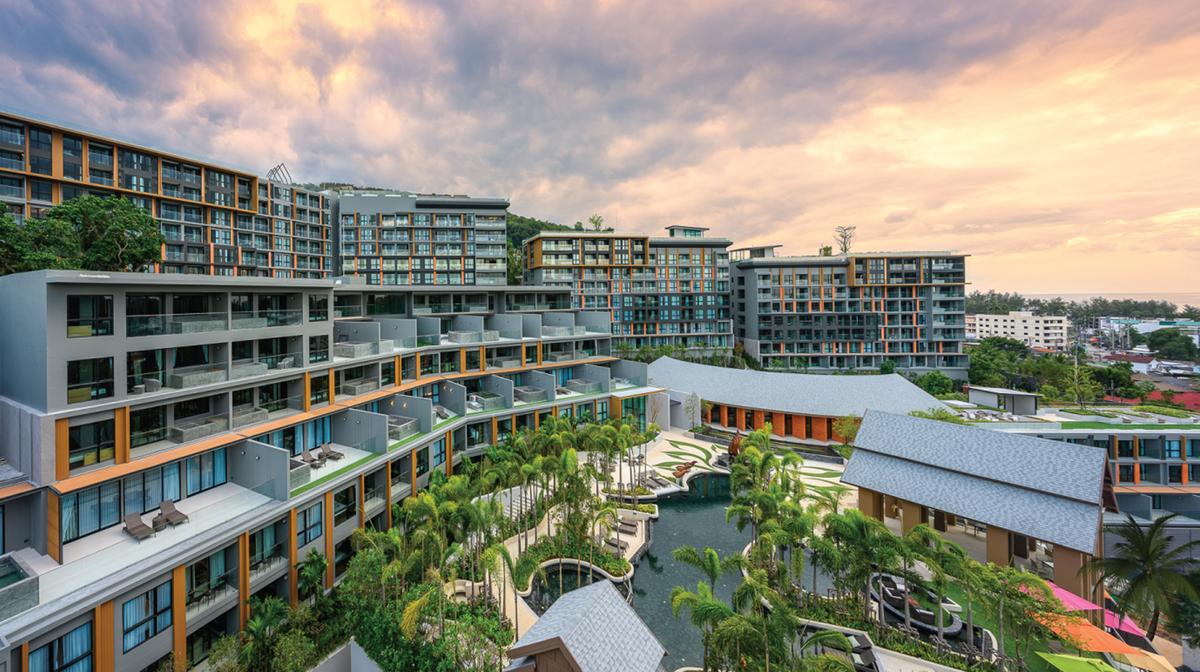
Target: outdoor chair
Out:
[173,515]
[327,452]
[307,458]
[136,528]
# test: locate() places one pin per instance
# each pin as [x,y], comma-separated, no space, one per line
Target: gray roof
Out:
[809,394]
[1048,490]
[1003,390]
[600,631]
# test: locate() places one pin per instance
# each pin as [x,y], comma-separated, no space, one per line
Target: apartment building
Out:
[124,396]
[400,238]
[659,291]
[216,220]
[851,312]
[1040,332]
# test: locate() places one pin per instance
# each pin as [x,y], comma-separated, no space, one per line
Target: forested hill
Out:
[993,303]
[521,227]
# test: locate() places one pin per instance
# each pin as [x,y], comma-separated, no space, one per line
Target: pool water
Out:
[697,519]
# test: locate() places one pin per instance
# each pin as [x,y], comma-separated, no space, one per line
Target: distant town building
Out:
[855,311]
[1040,332]
[1140,363]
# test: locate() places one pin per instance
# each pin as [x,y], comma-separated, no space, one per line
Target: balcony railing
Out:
[353,388]
[258,366]
[257,319]
[91,326]
[213,591]
[268,560]
[99,389]
[175,323]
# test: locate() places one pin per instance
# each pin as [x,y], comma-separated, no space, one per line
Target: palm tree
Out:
[868,547]
[707,611]
[755,594]
[941,557]
[1145,573]
[811,640]
[708,561]
[311,577]
[729,637]
[266,617]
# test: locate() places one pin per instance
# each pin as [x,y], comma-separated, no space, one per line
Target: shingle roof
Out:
[828,395]
[1049,490]
[600,631]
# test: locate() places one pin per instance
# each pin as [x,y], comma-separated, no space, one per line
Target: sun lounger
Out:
[307,458]
[628,528]
[327,452]
[137,529]
[172,515]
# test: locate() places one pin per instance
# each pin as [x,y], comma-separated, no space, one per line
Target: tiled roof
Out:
[600,631]
[828,395]
[1048,490]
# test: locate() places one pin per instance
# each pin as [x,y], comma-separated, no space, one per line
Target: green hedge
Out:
[1164,410]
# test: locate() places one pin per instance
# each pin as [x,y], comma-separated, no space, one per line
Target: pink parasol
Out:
[1074,602]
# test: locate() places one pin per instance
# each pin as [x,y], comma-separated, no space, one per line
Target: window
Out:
[1171,448]
[40,190]
[89,316]
[90,444]
[318,308]
[146,615]
[70,653]
[402,470]
[319,389]
[209,575]
[422,461]
[318,348]
[345,505]
[89,510]
[308,525]
[264,547]
[439,452]
[206,471]
[144,492]
[89,379]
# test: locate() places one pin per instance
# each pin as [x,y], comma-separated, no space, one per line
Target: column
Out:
[105,643]
[293,558]
[939,521]
[244,578]
[870,503]
[1067,563]
[328,539]
[179,618]
[998,543]
[890,506]
[911,515]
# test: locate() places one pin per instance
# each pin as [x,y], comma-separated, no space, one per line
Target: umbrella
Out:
[1075,663]
[1085,636]
[1145,660]
[1074,602]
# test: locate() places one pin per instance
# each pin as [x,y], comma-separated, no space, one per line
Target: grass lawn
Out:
[1110,425]
[332,475]
[987,620]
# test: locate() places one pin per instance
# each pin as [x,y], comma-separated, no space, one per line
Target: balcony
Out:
[356,349]
[190,429]
[473,336]
[174,323]
[259,319]
[267,562]
[401,427]
[261,365]
[195,376]
[530,395]
[484,401]
[353,388]
[211,594]
[549,331]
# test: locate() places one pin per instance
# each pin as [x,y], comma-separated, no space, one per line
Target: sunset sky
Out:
[1058,143]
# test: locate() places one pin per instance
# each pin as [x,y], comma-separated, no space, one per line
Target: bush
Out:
[939,414]
[548,548]
[952,396]
[1164,410]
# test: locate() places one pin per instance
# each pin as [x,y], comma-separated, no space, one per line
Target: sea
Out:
[1178,298]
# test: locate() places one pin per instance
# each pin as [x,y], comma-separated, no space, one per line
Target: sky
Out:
[1057,143]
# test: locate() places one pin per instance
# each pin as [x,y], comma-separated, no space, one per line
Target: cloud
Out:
[1006,130]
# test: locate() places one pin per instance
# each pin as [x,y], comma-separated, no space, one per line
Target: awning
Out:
[1075,663]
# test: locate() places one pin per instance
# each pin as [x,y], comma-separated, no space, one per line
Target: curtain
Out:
[134,498]
[193,475]
[163,595]
[69,516]
[110,504]
[89,510]
[39,660]
[170,482]
[268,540]
[219,473]
[133,612]
[216,569]
[153,488]
[77,646]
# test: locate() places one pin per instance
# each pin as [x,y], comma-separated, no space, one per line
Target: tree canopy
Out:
[1172,344]
[993,302]
[87,233]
